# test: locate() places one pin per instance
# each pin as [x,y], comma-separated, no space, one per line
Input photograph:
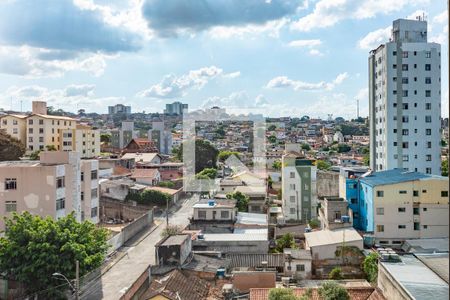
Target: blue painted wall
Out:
[365,203]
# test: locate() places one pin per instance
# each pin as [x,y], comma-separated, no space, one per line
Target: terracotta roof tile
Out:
[359,293]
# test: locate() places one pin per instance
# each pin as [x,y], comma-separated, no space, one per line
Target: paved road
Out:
[122,275]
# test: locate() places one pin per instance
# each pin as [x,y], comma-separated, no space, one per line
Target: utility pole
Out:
[167,212]
[77,280]
[357,109]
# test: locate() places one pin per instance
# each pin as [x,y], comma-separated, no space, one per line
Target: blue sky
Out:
[278,57]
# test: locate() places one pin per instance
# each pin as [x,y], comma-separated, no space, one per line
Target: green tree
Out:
[444,167]
[276,165]
[342,148]
[323,165]
[269,182]
[223,155]
[150,197]
[314,223]
[272,139]
[34,248]
[208,173]
[167,184]
[105,138]
[370,267]
[306,147]
[205,154]
[10,148]
[285,241]
[366,159]
[443,143]
[50,148]
[336,274]
[220,132]
[271,127]
[281,294]
[241,200]
[35,155]
[333,291]
[171,230]
[279,194]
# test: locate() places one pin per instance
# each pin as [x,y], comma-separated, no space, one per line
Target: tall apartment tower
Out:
[405,100]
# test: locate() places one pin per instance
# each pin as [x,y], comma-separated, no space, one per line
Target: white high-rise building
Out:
[405,100]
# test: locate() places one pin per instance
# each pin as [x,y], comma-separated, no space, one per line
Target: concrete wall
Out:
[389,287]
[293,268]
[218,210]
[327,184]
[328,251]
[117,210]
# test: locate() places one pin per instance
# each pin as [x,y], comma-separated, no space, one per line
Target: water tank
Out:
[345,219]
[220,272]
[211,202]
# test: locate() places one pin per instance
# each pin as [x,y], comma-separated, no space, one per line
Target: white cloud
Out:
[327,13]
[235,100]
[79,90]
[297,85]
[375,38]
[441,18]
[271,29]
[305,43]
[172,86]
[315,52]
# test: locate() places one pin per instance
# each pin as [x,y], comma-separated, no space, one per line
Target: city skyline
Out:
[223,57]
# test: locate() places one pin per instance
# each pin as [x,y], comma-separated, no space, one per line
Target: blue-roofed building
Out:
[395,205]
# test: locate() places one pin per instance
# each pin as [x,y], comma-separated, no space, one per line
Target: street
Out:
[122,275]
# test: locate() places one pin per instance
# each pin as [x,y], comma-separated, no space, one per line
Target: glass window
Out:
[10,206]
[94,174]
[224,214]
[94,212]
[416,211]
[444,193]
[292,198]
[416,226]
[60,203]
[380,211]
[202,214]
[10,183]
[60,182]
[300,268]
[402,192]
[94,193]
[380,228]
[402,209]
[380,193]
[292,175]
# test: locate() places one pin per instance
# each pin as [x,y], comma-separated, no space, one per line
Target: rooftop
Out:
[427,285]
[237,237]
[395,176]
[426,245]
[330,237]
[254,260]
[175,240]
[439,263]
[251,219]
[356,293]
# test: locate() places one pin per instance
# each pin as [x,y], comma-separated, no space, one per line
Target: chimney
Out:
[39,107]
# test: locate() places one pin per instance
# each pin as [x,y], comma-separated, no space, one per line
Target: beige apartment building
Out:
[39,130]
[55,186]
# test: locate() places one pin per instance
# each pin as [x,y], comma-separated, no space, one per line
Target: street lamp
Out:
[75,287]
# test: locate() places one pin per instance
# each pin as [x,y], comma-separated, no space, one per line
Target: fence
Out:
[129,231]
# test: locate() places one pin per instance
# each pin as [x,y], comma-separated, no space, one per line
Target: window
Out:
[380,228]
[428,157]
[405,132]
[94,174]
[405,145]
[427,93]
[416,193]
[380,193]
[30,130]
[405,119]
[41,139]
[380,211]
[94,193]
[202,214]
[428,131]
[394,53]
[353,201]
[82,176]
[10,184]
[402,209]
[394,79]
[428,145]
[15,131]
[5,122]
[292,199]
[292,175]
[306,187]
[424,191]
[292,210]
[427,119]
[41,122]
[60,182]
[300,268]
[444,193]
[10,206]
[415,66]
[405,93]
[425,226]
[427,106]
[292,186]
[394,66]
[404,67]
[82,196]
[224,214]
[402,192]
[60,203]
[394,92]
[427,67]
[405,80]
[405,157]
[416,211]
[94,212]
[427,80]
[405,54]
[425,209]
[401,226]
[30,122]
[416,226]
[405,105]
[428,54]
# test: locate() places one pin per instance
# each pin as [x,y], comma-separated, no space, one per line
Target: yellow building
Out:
[15,126]
[82,139]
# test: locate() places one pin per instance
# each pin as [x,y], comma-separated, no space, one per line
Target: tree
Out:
[171,230]
[281,294]
[285,241]
[314,223]
[10,148]
[220,132]
[150,197]
[105,138]
[272,139]
[306,147]
[167,184]
[34,248]
[205,154]
[342,148]
[323,165]
[269,182]
[444,167]
[333,291]
[366,159]
[276,165]
[304,119]
[370,267]
[241,200]
[208,173]
[35,155]
[271,127]
[443,143]
[336,274]
[50,148]
[223,155]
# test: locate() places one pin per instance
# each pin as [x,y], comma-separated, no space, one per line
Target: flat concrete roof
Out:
[426,245]
[331,237]
[175,240]
[417,279]
[439,263]
[231,237]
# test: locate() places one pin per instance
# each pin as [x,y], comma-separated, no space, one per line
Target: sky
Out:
[276,57]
